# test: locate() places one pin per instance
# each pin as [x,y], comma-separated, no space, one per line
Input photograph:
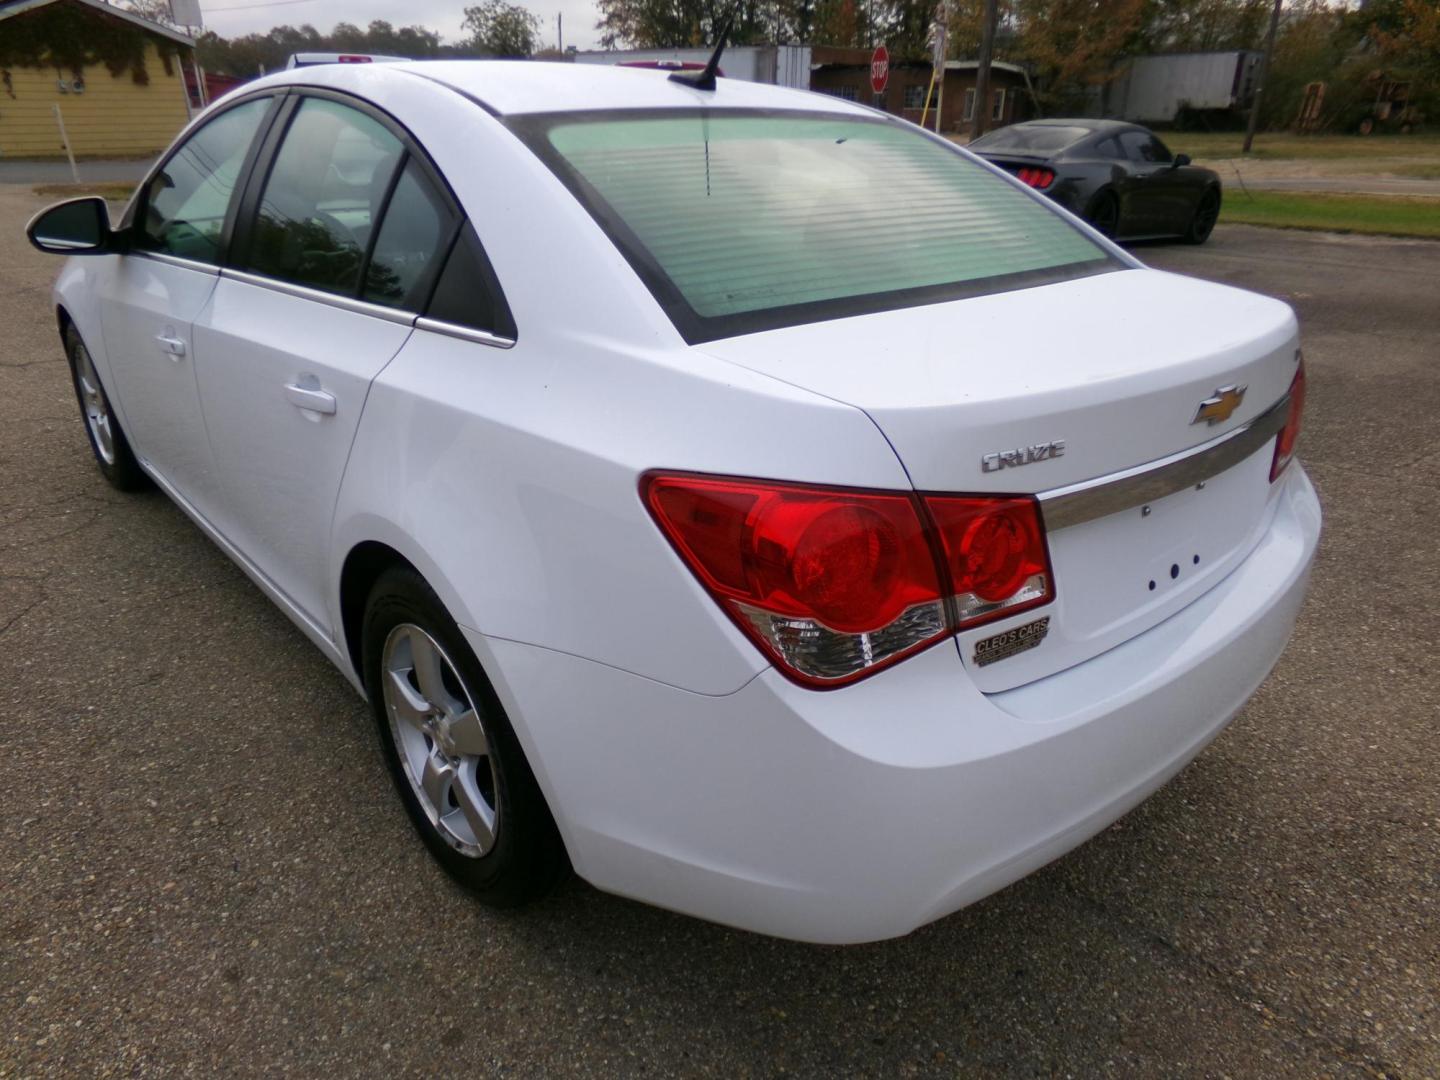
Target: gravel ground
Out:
[203,869]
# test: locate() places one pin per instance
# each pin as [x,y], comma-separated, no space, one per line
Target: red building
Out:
[846,74]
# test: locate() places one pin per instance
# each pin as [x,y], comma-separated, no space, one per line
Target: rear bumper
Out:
[863,813]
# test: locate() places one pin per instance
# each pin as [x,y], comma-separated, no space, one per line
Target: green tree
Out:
[1074,46]
[249,55]
[1204,25]
[499,28]
[679,24]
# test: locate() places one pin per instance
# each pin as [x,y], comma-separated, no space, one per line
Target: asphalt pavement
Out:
[204,871]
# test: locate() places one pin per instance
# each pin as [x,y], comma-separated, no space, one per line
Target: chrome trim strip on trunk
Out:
[1091,499]
[345,303]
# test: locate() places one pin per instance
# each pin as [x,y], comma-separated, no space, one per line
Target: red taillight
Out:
[1036,177]
[995,555]
[347,59]
[834,583]
[1285,441]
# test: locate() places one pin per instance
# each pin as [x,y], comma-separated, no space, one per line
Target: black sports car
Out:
[1117,176]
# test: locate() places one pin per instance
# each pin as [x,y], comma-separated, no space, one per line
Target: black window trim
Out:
[504,333]
[532,129]
[236,252]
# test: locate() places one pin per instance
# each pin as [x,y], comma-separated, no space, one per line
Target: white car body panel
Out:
[523,450]
[143,301]
[281,463]
[509,478]
[907,796]
[1115,369]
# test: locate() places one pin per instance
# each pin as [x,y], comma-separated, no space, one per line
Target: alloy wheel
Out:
[95,404]
[440,738]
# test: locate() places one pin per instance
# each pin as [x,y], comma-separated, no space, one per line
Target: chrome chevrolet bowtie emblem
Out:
[1218,407]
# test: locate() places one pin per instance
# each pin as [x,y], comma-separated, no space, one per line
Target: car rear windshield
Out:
[742,221]
[1042,139]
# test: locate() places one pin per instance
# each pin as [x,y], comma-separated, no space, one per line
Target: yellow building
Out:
[118,80]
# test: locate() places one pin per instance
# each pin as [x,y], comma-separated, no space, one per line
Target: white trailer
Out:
[1154,89]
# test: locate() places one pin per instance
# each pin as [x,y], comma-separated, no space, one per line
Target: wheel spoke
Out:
[405,701]
[430,673]
[477,811]
[467,735]
[435,782]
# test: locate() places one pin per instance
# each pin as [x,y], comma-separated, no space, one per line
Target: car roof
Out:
[512,87]
[1084,123]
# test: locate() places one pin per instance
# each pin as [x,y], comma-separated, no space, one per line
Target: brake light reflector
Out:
[834,584]
[1290,433]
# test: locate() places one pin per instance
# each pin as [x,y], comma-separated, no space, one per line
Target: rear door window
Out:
[745,221]
[323,197]
[411,241]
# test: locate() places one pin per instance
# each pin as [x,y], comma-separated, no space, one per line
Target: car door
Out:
[1157,189]
[151,298]
[338,242]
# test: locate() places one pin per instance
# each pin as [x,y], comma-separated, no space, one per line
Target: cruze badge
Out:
[1024,455]
[1219,406]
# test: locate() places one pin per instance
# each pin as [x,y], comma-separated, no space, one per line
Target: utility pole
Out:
[560,32]
[982,72]
[1260,77]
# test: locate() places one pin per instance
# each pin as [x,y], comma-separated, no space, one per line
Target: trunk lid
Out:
[1028,391]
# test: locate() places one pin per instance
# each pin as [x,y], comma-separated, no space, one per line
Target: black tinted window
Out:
[186,201]
[467,293]
[1109,149]
[323,196]
[1042,137]
[417,226]
[1144,147]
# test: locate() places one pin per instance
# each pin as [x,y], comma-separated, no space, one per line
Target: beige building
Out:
[117,79]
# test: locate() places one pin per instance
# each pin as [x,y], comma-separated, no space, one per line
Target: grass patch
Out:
[1376,214]
[1282,146]
[1418,171]
[113,192]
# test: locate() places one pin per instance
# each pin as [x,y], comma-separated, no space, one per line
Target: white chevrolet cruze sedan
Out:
[747,498]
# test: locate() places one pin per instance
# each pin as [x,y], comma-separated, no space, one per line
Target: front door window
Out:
[186,201]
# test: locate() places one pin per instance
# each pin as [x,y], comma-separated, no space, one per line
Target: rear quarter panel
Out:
[509,477]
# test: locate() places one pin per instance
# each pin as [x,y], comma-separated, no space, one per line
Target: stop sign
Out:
[879,69]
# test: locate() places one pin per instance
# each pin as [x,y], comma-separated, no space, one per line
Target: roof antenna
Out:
[705,80]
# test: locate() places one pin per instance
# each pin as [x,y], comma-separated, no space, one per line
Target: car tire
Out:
[451,751]
[1104,215]
[1202,222]
[108,443]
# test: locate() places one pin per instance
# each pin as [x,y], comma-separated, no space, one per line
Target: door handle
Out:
[173,345]
[310,397]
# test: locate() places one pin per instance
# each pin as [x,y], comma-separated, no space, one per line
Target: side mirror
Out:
[1181,159]
[74,227]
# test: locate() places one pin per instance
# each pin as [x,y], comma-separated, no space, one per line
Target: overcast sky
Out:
[231,18]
